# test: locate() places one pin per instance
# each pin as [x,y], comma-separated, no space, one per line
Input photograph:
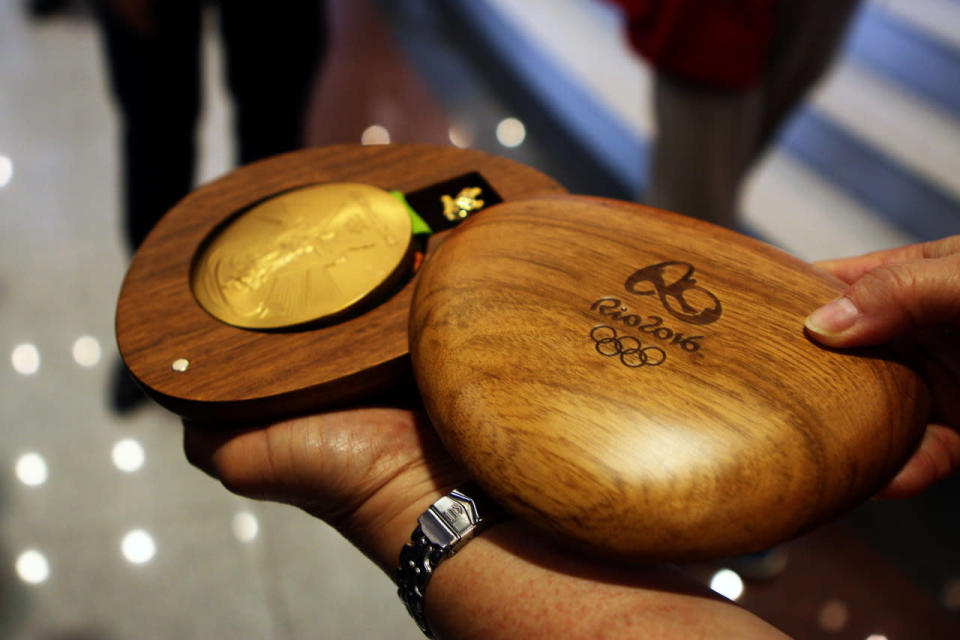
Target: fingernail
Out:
[834,317]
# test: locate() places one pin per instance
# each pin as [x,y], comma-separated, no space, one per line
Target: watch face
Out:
[303,256]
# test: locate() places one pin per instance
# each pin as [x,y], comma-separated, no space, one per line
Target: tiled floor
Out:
[69,567]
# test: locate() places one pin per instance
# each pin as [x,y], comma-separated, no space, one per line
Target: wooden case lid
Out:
[639,383]
[224,373]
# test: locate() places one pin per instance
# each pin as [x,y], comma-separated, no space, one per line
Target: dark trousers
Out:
[272,52]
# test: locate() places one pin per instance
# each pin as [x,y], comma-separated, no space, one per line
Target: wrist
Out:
[382,524]
[443,529]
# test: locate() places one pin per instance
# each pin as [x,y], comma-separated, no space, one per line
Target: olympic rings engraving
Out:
[632,353]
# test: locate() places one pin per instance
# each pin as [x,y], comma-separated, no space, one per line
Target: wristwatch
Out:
[442,530]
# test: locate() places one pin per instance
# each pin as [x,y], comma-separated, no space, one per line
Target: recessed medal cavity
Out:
[303,256]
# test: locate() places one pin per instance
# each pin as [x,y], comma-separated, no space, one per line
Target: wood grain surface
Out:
[237,375]
[639,383]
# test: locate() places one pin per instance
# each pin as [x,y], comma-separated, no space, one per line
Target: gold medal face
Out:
[303,256]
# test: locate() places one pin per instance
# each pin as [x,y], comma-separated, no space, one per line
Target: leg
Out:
[154,78]
[809,34]
[273,51]
[704,144]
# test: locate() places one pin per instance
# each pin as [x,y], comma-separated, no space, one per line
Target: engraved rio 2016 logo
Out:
[681,296]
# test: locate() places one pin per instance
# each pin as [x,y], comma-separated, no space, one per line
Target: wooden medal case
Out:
[208,371]
[639,383]
[635,382]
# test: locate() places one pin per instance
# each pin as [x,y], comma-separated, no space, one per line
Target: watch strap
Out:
[417,561]
[442,530]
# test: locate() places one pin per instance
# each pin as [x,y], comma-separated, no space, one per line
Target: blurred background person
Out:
[727,75]
[153,49]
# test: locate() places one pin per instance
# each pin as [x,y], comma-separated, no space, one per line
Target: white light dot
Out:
[128,455]
[833,616]
[32,567]
[245,526]
[180,365]
[375,134]
[31,469]
[25,359]
[727,583]
[138,547]
[876,636]
[6,171]
[511,132]
[461,135]
[86,351]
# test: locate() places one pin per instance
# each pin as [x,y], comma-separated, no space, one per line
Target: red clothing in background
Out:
[719,43]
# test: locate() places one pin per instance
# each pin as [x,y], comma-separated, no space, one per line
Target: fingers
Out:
[200,444]
[248,462]
[851,269]
[937,457]
[914,293]
[326,461]
[890,300]
[367,472]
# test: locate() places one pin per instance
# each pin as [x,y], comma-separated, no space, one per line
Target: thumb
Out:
[889,301]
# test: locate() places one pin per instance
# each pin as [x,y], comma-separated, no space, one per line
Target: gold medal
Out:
[303,256]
